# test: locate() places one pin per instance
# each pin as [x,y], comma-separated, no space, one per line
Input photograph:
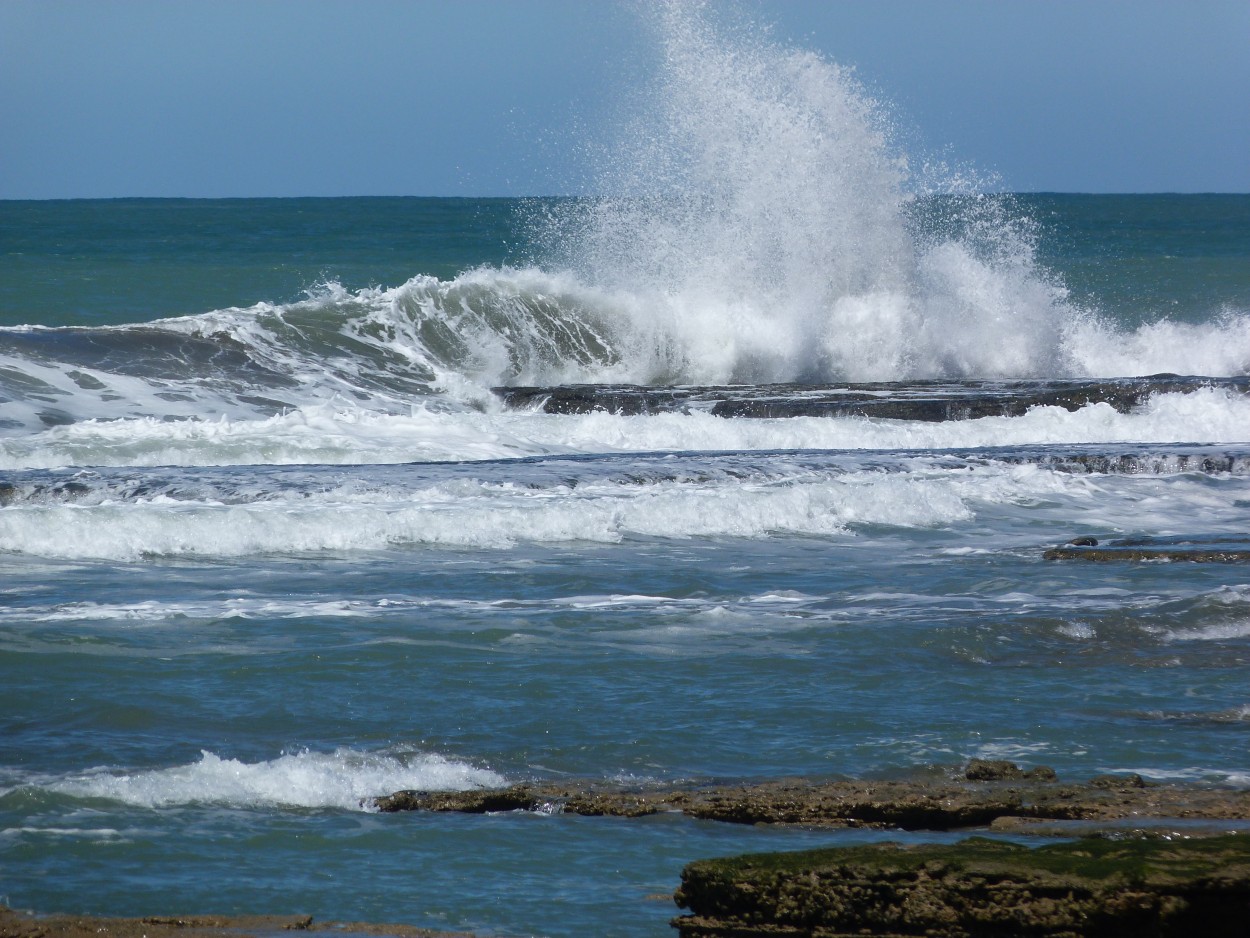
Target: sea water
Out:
[271,545]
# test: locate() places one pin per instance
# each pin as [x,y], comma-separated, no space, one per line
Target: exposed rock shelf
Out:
[1092,887]
[991,793]
[1195,549]
[898,400]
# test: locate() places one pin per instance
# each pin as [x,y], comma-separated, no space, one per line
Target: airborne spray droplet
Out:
[758,226]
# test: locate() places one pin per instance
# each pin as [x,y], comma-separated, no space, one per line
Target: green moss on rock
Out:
[978,887]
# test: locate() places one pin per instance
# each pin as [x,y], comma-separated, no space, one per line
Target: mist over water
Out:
[755,222]
[757,227]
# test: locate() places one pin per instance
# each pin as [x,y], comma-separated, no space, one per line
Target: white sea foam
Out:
[1215,632]
[1077,630]
[180,613]
[155,611]
[471,513]
[353,435]
[339,779]
[476,515]
[321,434]
[1221,347]
[1237,779]
[1012,750]
[431,348]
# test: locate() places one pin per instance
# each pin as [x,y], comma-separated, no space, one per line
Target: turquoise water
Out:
[1141,257]
[117,261]
[111,262]
[271,546]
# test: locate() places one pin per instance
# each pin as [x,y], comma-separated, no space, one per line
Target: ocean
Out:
[273,541]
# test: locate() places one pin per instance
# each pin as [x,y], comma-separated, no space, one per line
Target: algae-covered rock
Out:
[880,804]
[987,770]
[978,887]
[990,794]
[473,801]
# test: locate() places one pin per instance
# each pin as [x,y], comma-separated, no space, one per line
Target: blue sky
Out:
[107,98]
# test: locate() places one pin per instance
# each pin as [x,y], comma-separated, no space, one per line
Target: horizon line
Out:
[241,198]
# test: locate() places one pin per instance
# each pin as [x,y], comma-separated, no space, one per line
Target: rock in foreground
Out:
[1092,888]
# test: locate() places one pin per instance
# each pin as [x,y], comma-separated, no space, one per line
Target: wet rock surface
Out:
[894,400]
[1191,548]
[978,887]
[997,770]
[15,924]
[1154,860]
[988,793]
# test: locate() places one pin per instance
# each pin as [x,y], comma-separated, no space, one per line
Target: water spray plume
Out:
[758,225]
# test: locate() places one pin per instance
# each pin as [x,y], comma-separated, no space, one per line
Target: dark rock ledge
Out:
[994,794]
[1206,548]
[1154,861]
[978,887]
[927,400]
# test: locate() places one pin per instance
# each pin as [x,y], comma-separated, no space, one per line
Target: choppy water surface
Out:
[273,542]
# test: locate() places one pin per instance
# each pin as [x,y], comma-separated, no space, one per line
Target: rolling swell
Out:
[526,334]
[379,349]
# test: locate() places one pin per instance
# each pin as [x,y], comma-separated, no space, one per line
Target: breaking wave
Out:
[755,223]
[340,779]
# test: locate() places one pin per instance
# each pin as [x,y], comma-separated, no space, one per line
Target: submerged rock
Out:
[1212,548]
[1092,887]
[1131,780]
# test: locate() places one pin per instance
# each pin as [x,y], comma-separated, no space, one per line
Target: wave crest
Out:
[341,779]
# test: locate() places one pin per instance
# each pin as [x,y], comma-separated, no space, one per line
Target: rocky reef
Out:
[1151,860]
[1194,549]
[999,795]
[1091,887]
[931,400]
